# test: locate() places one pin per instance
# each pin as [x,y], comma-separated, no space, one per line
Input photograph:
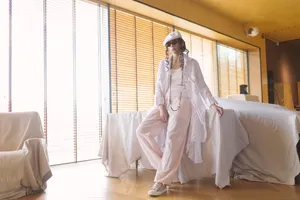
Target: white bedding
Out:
[270,156]
[120,147]
[273,135]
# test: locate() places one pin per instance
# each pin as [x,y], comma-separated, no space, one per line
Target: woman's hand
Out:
[163,113]
[219,110]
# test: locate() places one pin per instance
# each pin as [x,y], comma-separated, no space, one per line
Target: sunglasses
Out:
[174,42]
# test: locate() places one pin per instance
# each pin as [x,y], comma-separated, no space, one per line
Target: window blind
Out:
[232,70]
[159,33]
[65,73]
[89,78]
[60,85]
[27,57]
[241,65]
[202,50]
[113,61]
[209,65]
[136,50]
[77,60]
[4,52]
[144,63]
[126,62]
[88,85]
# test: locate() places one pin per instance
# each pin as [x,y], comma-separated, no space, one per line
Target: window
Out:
[159,34]
[89,77]
[232,70]
[74,61]
[59,68]
[145,63]
[4,52]
[27,56]
[124,66]
[136,50]
[202,50]
[60,79]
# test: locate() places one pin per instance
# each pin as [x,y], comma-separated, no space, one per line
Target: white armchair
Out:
[24,166]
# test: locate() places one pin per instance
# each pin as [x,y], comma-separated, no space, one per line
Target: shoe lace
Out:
[157,186]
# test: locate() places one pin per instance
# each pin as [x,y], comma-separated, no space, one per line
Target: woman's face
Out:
[174,46]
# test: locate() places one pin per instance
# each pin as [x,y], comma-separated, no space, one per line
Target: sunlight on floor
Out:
[87,180]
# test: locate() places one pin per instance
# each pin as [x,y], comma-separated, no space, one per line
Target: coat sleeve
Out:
[201,87]
[159,96]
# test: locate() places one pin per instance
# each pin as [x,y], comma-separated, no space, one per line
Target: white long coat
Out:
[200,97]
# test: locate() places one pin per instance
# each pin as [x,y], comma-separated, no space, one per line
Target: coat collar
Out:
[186,58]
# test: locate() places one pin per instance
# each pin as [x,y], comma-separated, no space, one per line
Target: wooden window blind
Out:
[242,69]
[209,65]
[136,46]
[145,63]
[136,50]
[126,62]
[232,70]
[159,52]
[203,50]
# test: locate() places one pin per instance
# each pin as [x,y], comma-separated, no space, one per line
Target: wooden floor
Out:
[87,181]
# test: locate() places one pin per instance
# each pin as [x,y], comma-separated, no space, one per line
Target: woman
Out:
[180,93]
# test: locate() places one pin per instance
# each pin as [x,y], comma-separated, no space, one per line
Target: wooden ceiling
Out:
[278,19]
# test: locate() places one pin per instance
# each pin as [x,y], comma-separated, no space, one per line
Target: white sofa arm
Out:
[11,170]
[37,168]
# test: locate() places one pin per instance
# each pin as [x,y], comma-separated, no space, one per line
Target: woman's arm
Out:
[159,97]
[159,94]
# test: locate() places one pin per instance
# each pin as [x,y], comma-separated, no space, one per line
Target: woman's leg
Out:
[151,127]
[166,163]
[175,142]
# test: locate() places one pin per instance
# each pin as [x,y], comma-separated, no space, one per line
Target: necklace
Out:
[170,100]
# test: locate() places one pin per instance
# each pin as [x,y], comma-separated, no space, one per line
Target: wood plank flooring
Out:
[87,181]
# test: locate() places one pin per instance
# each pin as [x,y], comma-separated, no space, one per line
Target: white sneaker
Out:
[157,189]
